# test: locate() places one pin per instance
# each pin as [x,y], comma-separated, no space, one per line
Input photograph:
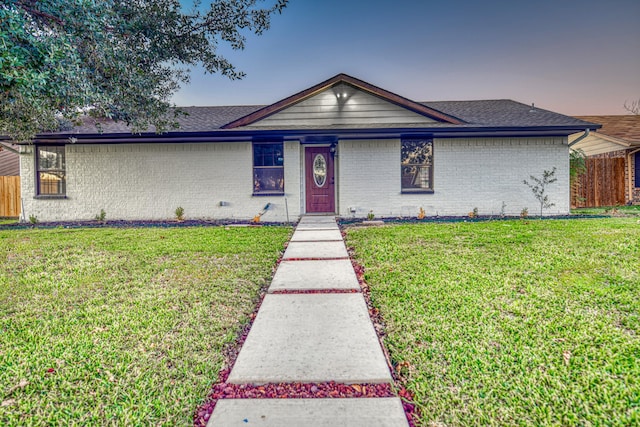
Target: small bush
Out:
[180,213]
[370,216]
[33,219]
[524,212]
[421,214]
[101,216]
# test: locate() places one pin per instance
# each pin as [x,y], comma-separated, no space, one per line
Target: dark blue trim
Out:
[50,196]
[312,135]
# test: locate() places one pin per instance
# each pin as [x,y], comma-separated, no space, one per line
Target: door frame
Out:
[304,177]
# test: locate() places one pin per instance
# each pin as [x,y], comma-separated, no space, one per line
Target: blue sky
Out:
[570,56]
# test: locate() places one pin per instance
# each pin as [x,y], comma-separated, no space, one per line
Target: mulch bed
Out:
[330,390]
[138,224]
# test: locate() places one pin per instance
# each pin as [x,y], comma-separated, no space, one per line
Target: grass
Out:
[122,326]
[5,221]
[511,322]
[609,210]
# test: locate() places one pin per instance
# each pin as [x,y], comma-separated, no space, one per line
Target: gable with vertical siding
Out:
[343,105]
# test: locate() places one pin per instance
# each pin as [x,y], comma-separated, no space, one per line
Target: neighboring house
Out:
[342,147]
[619,138]
[9,160]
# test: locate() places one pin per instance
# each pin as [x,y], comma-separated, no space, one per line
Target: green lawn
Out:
[512,322]
[122,326]
[609,210]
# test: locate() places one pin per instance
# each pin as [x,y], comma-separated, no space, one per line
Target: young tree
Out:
[121,59]
[538,187]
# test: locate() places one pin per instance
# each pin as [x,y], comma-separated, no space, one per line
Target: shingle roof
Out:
[625,127]
[9,162]
[485,113]
[198,119]
[504,112]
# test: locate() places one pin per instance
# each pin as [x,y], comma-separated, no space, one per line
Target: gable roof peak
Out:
[390,97]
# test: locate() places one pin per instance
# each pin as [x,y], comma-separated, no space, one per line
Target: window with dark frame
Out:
[51,171]
[268,168]
[416,162]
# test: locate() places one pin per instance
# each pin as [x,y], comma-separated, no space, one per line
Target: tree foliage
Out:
[577,167]
[633,107]
[120,59]
[577,164]
[538,187]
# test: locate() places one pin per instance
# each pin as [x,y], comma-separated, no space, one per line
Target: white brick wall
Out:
[149,181]
[468,173]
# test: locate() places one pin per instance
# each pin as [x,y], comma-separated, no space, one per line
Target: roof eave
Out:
[225,135]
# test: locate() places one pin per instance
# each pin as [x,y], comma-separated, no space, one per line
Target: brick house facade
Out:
[341,147]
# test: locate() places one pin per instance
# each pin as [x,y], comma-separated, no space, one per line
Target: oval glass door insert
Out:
[319,170]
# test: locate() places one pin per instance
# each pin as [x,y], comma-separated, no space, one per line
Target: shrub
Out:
[179,213]
[101,216]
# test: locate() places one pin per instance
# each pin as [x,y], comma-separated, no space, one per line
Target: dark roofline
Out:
[343,78]
[305,134]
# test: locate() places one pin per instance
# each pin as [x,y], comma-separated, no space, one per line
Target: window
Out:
[416,164]
[51,171]
[268,168]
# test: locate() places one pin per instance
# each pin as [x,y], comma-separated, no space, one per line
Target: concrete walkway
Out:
[312,338]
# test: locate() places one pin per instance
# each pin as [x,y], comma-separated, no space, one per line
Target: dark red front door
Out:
[319,180]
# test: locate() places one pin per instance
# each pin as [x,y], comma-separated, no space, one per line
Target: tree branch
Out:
[29,7]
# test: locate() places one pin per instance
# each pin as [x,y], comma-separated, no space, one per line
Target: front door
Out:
[319,180]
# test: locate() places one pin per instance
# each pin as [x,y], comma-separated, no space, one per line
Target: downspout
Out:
[629,181]
[581,137]
[6,147]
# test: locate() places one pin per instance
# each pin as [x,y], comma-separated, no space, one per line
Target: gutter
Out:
[6,147]
[586,133]
[302,134]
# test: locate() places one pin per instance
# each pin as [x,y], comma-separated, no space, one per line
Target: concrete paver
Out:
[311,338]
[316,235]
[316,250]
[317,219]
[314,274]
[317,226]
[369,412]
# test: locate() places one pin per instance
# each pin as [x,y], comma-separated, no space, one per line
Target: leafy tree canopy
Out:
[120,59]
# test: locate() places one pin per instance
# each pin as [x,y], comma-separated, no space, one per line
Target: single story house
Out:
[619,138]
[343,147]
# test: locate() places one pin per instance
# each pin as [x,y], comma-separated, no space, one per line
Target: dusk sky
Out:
[576,57]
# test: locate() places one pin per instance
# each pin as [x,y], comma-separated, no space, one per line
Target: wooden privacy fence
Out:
[601,185]
[9,196]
